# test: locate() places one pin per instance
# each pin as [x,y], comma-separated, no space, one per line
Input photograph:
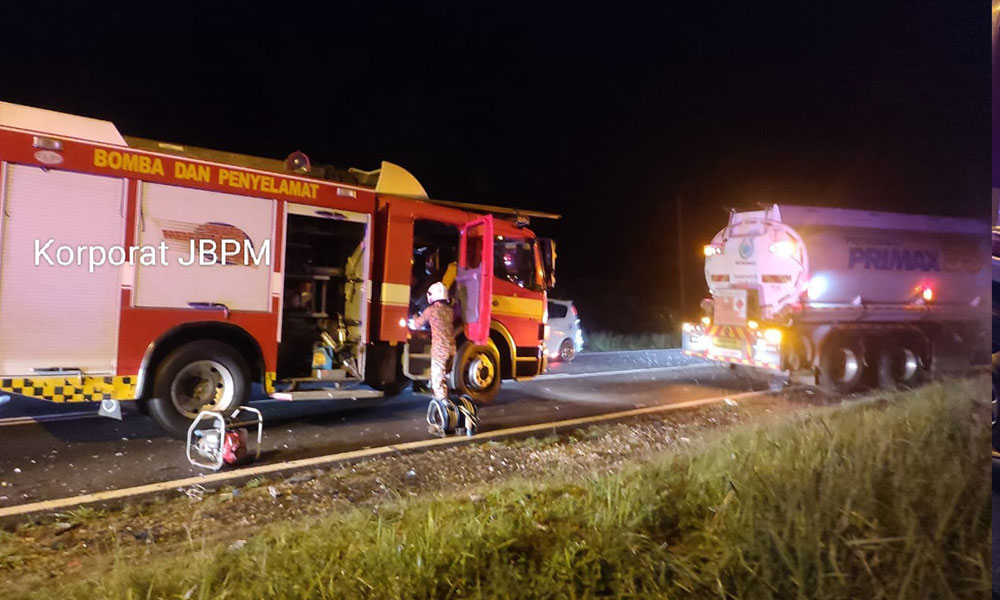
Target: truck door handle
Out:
[210,306]
[331,215]
[496,303]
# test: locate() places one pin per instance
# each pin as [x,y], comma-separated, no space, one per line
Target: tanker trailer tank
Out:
[837,294]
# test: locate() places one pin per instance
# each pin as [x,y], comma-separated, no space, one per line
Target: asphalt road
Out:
[41,458]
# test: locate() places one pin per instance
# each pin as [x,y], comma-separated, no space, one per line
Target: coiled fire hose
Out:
[445,417]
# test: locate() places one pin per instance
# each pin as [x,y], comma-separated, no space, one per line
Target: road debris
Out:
[62,527]
[194,492]
[299,478]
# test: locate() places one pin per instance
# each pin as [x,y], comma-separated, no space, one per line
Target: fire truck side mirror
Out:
[548,248]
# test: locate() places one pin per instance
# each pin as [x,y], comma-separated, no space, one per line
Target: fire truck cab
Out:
[181,277]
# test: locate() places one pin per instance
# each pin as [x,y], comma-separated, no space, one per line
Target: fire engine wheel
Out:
[205,375]
[384,369]
[476,372]
[566,351]
[841,365]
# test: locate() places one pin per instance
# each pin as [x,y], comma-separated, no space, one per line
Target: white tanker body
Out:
[835,294]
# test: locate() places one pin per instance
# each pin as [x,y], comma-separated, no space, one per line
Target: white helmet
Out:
[437,292]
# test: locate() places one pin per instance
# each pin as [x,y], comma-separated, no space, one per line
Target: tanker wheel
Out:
[841,365]
[898,366]
[476,372]
[205,375]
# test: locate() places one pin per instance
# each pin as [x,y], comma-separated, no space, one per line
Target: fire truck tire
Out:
[476,372]
[384,369]
[204,375]
[841,364]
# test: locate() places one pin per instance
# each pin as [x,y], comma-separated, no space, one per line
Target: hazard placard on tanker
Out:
[731,307]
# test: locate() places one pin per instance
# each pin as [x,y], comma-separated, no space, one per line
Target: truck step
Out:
[327,394]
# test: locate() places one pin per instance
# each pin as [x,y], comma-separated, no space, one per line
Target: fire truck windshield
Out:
[514,260]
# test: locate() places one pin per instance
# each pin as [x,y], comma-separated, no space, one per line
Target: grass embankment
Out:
[884,500]
[605,341]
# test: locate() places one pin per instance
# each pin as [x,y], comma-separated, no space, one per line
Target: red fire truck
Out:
[180,277]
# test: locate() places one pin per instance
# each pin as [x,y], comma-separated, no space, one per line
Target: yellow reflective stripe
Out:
[72,389]
[512,306]
[396,293]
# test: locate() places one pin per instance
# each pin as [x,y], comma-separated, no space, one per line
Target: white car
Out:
[564,338]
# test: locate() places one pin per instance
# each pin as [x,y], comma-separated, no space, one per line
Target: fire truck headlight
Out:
[687,327]
[773,336]
[784,248]
[753,324]
[706,321]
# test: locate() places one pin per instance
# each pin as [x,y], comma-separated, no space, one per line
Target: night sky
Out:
[607,115]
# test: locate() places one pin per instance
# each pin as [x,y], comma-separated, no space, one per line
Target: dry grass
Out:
[605,341]
[886,499]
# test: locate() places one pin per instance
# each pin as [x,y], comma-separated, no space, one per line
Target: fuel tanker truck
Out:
[844,298]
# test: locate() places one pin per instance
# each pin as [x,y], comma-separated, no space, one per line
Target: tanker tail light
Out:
[817,286]
[713,250]
[690,327]
[784,248]
[773,336]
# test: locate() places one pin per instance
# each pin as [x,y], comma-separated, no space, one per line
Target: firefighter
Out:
[442,414]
